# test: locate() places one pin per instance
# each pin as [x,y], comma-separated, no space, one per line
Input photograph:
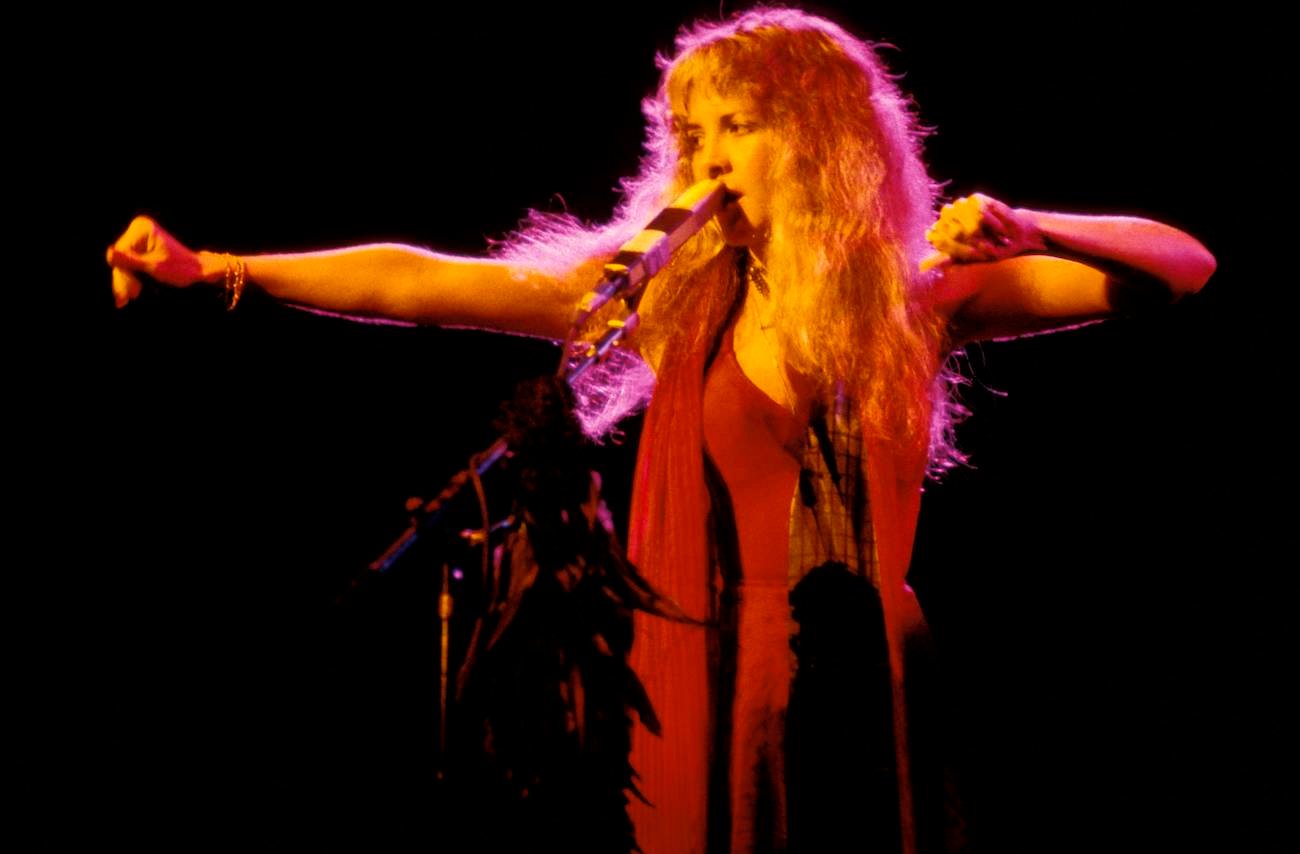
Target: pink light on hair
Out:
[851,201]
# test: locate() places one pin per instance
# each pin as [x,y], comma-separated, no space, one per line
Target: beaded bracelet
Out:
[236,276]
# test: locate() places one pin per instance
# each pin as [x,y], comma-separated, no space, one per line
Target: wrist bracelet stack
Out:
[236,276]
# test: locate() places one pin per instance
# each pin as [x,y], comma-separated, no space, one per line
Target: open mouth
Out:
[729,198]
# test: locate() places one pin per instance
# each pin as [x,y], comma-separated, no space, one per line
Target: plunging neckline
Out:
[730,345]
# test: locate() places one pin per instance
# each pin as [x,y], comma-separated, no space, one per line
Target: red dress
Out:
[755,445]
[752,444]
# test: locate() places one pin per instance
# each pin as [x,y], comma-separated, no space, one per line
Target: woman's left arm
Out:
[1013,271]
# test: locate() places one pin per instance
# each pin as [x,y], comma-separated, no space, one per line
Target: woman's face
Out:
[726,139]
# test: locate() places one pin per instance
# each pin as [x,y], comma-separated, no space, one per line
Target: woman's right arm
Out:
[391,281]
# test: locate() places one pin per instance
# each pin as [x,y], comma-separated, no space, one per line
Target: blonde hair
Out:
[851,200]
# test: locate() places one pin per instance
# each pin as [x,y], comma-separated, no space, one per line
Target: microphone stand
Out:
[426,516]
[624,279]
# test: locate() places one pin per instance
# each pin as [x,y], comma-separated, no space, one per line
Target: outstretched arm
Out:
[1012,271]
[392,281]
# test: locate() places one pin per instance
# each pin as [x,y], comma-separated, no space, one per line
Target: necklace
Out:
[756,274]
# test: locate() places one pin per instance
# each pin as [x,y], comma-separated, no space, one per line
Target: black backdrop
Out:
[1105,583]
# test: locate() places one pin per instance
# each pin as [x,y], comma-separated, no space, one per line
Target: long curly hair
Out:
[851,200]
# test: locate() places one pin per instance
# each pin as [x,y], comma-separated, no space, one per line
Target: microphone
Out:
[648,252]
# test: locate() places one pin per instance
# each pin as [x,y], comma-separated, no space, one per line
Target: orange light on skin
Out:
[727,140]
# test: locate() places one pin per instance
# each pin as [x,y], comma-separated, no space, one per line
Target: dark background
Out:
[1107,583]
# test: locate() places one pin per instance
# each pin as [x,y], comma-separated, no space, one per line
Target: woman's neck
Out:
[758,347]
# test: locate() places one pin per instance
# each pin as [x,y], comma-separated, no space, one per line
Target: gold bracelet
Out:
[236,276]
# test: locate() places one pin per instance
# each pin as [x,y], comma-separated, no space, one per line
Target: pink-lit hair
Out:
[851,202]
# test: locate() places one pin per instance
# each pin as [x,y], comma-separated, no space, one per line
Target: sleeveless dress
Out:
[754,447]
[774,779]
[741,508]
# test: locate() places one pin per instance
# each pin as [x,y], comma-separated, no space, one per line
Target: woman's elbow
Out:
[1207,264]
[1195,268]
[1136,292]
